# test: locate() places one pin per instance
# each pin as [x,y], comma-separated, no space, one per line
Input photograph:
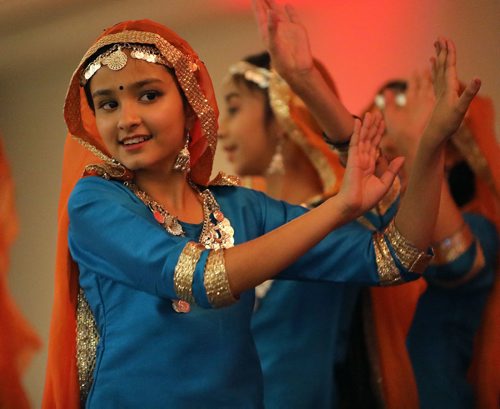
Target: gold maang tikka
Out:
[115,59]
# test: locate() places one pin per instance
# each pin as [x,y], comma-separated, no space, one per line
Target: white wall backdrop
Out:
[363,43]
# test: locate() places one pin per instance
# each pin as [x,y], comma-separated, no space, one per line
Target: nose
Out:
[222,132]
[129,117]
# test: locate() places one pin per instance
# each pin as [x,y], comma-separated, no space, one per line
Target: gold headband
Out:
[258,75]
[115,59]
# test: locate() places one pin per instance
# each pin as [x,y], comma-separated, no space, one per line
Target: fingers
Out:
[355,134]
[260,12]
[468,95]
[392,170]
[451,56]
[292,14]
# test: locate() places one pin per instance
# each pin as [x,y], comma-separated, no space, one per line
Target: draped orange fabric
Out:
[485,368]
[61,386]
[18,341]
[394,308]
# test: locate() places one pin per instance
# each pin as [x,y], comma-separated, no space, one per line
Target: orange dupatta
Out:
[18,341]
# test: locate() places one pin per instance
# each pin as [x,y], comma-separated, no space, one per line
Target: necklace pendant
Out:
[158,217]
[180,306]
[219,216]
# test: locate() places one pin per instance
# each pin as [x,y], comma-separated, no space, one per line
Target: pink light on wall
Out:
[365,43]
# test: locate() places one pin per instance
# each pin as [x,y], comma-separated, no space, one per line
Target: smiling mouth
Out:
[135,140]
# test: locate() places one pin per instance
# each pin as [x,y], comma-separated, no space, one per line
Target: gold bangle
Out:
[412,258]
[477,266]
[386,268]
[184,271]
[216,281]
[454,246]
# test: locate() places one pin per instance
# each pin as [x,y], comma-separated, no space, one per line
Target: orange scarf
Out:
[61,387]
[18,341]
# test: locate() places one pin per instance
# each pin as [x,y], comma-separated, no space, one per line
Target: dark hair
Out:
[462,182]
[394,85]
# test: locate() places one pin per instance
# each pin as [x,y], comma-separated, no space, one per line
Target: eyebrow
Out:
[135,85]
[231,95]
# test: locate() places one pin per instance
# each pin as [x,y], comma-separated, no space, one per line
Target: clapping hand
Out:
[451,106]
[361,187]
[285,38]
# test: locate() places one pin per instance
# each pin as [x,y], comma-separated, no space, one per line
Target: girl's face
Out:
[140,115]
[248,141]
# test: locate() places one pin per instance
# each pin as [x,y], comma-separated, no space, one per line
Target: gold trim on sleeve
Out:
[386,268]
[216,280]
[184,271]
[452,247]
[412,258]
[477,266]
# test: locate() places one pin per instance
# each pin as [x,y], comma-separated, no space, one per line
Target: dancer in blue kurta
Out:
[300,328]
[157,285]
[449,313]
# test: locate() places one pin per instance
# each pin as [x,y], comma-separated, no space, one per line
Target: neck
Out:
[299,183]
[173,192]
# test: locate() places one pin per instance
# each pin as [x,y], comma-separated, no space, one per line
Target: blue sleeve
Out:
[114,235]
[449,274]
[345,255]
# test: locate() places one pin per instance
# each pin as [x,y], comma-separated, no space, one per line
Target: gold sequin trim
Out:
[280,97]
[387,270]
[216,280]
[184,271]
[412,258]
[466,144]
[87,339]
[477,266]
[223,179]
[449,249]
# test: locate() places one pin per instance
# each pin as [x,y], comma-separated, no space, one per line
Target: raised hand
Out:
[451,106]
[405,124]
[285,38]
[361,188]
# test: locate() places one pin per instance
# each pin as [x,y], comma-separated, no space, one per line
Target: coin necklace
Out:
[216,232]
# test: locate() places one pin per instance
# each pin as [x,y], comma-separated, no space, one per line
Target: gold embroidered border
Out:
[184,271]
[223,179]
[386,268]
[412,258]
[216,281]
[87,339]
[477,266]
[449,249]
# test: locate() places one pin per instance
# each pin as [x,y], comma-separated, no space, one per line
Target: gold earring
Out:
[182,162]
[277,166]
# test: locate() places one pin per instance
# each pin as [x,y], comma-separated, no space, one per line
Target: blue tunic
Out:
[440,341]
[301,330]
[152,357]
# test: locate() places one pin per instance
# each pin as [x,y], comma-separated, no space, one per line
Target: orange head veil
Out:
[18,341]
[294,118]
[85,146]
